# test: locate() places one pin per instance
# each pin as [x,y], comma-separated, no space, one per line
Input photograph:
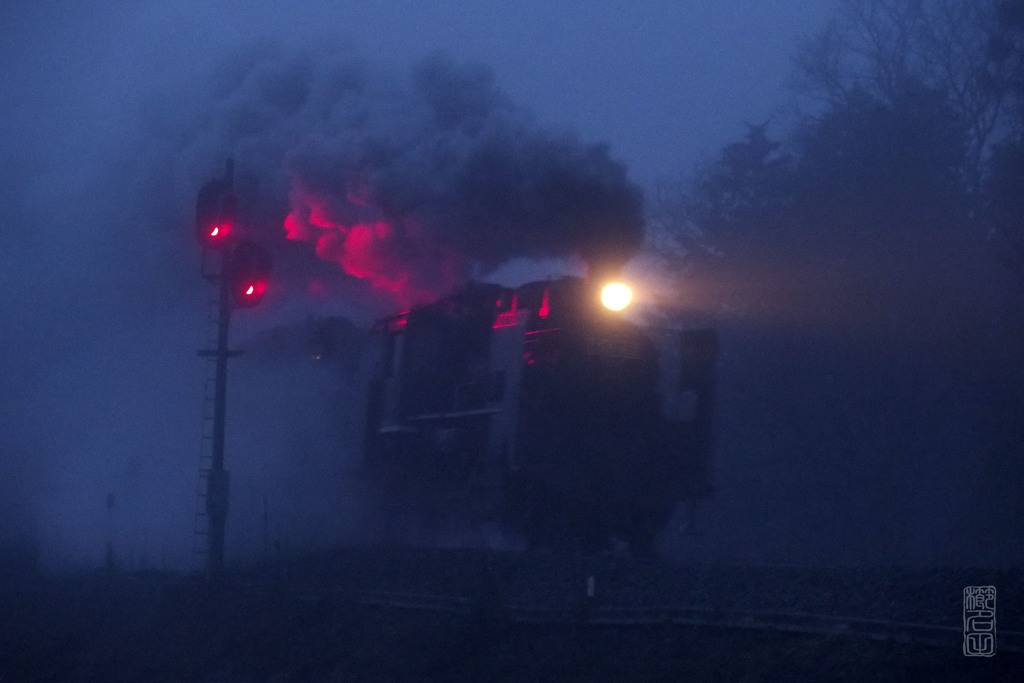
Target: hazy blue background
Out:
[106,113]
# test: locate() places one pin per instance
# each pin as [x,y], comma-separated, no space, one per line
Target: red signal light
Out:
[215,214]
[256,289]
[249,271]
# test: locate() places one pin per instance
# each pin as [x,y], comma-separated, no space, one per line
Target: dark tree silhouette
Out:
[917,123]
[952,47]
[1004,187]
[874,342]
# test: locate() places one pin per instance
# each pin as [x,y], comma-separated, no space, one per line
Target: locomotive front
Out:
[537,408]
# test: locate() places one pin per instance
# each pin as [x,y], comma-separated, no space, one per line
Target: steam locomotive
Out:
[540,410]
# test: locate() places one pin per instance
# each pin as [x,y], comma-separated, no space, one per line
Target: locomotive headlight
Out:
[616,296]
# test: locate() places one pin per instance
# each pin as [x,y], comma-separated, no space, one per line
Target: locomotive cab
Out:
[537,408]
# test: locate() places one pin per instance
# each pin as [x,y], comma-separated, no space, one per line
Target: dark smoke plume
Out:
[418,184]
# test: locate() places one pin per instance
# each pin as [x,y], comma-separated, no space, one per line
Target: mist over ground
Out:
[373,187]
[866,402]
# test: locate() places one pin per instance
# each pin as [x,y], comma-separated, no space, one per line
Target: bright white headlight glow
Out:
[616,296]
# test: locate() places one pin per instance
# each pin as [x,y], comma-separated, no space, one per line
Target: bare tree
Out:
[884,47]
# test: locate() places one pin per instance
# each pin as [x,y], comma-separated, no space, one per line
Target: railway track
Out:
[591,614]
[594,592]
[373,613]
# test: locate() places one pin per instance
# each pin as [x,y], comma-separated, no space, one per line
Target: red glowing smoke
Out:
[398,257]
[415,185]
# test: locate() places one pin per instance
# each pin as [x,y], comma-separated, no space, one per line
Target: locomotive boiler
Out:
[541,410]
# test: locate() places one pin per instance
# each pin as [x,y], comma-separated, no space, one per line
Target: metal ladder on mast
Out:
[201,519]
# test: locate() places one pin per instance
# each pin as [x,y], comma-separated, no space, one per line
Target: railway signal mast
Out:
[242,275]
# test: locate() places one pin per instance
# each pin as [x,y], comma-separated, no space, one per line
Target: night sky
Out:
[112,114]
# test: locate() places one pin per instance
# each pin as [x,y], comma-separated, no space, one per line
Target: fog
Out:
[848,432]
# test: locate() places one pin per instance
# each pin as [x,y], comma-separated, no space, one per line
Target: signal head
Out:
[215,214]
[248,273]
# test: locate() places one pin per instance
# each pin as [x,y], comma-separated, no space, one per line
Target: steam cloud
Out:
[412,183]
[418,184]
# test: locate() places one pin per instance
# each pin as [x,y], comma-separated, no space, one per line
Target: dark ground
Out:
[150,627]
